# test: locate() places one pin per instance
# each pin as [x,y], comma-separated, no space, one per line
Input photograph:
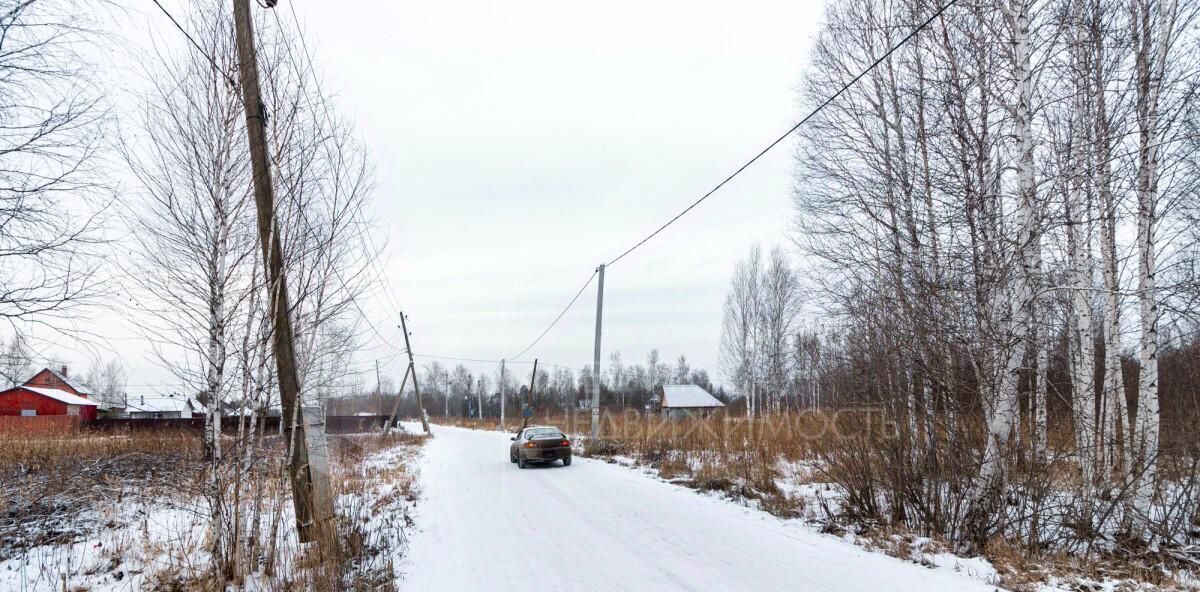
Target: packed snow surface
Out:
[484,524]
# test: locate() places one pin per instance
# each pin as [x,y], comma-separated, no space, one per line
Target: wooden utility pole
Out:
[311,493]
[503,427]
[412,368]
[391,422]
[529,399]
[378,390]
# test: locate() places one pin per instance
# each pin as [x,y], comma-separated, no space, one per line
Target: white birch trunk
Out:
[1113,396]
[1150,71]
[1003,414]
[1040,414]
[1082,344]
[215,377]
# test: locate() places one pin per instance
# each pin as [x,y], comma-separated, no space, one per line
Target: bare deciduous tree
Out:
[107,381]
[739,329]
[957,254]
[50,193]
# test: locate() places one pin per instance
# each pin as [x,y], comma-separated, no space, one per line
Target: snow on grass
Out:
[154,542]
[159,540]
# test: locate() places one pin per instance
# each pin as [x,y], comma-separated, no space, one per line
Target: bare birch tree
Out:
[1154,28]
[191,225]
[739,329]
[777,315]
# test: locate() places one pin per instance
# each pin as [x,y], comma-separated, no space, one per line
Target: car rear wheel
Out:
[567,462]
[512,458]
[521,462]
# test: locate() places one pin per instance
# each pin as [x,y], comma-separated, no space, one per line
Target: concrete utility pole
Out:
[502,426]
[412,368]
[311,491]
[596,359]
[479,400]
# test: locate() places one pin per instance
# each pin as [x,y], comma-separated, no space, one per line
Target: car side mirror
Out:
[514,438]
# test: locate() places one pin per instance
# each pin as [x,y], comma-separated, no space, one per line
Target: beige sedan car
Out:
[541,444]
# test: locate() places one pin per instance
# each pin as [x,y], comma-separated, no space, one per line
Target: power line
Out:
[328,150]
[747,164]
[557,318]
[789,132]
[454,359]
[661,228]
[340,160]
[497,362]
[275,162]
[304,216]
[210,59]
[330,153]
[364,237]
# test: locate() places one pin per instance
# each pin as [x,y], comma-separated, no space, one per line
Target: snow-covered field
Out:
[484,524]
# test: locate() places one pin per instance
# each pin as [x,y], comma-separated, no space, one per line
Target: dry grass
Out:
[48,481]
[44,452]
[117,488]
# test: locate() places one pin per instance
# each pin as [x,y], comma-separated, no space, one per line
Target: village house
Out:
[681,401]
[170,406]
[49,392]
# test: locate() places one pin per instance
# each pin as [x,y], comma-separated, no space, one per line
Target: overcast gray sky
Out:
[520,144]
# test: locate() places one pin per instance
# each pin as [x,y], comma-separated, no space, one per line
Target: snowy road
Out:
[484,524]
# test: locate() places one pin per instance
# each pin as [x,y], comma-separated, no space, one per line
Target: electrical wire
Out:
[789,132]
[210,59]
[636,245]
[364,237]
[559,317]
[303,214]
[496,362]
[747,164]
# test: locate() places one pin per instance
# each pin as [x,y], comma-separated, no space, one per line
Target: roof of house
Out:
[79,388]
[688,395]
[60,396]
[168,404]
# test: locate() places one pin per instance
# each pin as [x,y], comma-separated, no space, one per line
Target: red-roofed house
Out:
[48,393]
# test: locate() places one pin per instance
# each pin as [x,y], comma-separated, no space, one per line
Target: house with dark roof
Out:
[49,392]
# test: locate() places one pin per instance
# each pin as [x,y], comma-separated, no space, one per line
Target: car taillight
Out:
[566,443]
[530,445]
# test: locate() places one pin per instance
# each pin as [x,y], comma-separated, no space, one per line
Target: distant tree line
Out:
[555,389]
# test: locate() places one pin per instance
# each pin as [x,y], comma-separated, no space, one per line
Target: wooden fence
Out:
[41,424]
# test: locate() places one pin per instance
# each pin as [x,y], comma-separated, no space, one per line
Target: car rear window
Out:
[542,432]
